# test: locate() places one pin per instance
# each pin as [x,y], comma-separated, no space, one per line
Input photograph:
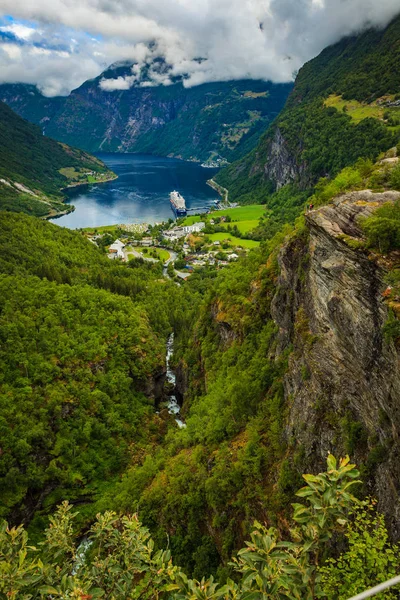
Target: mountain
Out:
[34,169]
[82,362]
[281,358]
[344,105]
[206,122]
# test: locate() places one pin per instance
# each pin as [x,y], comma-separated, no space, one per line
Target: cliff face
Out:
[342,387]
[314,137]
[220,119]
[281,166]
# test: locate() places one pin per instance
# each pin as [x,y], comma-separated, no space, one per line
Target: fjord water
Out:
[141,192]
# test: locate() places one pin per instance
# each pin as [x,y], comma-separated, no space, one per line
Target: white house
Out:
[195,228]
[179,232]
[233,256]
[117,248]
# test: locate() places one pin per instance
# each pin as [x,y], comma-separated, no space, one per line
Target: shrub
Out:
[383,228]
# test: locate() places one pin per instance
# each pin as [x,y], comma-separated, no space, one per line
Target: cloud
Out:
[266,39]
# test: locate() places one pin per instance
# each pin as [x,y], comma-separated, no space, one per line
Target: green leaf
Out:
[47,589]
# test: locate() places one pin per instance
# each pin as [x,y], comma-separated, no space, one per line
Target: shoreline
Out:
[82,183]
[71,207]
[223,192]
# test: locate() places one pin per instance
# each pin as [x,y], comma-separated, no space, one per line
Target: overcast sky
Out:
[58,44]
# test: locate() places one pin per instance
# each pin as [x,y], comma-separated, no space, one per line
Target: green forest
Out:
[102,493]
[34,162]
[318,140]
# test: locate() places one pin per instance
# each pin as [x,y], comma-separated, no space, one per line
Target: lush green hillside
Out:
[318,133]
[82,346]
[206,122]
[83,340]
[289,352]
[34,168]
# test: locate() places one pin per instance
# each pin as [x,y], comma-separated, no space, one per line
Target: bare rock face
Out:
[281,167]
[343,382]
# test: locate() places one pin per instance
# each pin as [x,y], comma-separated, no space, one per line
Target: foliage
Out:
[120,559]
[33,160]
[383,228]
[81,338]
[370,558]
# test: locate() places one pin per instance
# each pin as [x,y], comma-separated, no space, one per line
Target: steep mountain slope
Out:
[34,168]
[294,352]
[343,106]
[82,361]
[223,119]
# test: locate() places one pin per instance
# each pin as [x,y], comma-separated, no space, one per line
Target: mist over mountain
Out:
[59,44]
[166,389]
[221,120]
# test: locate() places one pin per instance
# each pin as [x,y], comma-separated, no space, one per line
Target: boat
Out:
[178,204]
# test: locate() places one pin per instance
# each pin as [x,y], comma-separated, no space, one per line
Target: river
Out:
[141,192]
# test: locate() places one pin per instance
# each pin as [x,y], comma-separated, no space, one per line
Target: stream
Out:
[173,406]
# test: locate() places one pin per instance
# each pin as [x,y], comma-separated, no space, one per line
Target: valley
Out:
[210,403]
[141,192]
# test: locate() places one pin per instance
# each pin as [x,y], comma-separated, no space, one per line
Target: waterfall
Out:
[173,406]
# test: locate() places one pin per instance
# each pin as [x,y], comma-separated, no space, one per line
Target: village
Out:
[192,244]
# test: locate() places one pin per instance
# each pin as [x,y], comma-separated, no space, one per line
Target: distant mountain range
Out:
[222,120]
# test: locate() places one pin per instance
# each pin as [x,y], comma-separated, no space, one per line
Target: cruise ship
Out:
[178,204]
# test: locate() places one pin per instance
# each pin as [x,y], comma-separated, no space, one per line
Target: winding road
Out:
[172,258]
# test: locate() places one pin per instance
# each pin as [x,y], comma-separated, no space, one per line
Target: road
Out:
[137,254]
[172,258]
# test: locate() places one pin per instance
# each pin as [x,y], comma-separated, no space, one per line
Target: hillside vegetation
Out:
[341,108]
[121,560]
[34,168]
[82,347]
[218,120]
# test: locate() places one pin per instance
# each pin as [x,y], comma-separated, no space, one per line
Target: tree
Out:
[123,563]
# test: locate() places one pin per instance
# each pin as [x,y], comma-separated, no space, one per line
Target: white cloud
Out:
[267,39]
[20,31]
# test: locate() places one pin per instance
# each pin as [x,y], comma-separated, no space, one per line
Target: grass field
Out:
[242,213]
[358,111]
[192,219]
[162,254]
[234,241]
[253,212]
[243,226]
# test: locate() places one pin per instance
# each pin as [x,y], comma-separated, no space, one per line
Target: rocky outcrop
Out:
[342,386]
[282,167]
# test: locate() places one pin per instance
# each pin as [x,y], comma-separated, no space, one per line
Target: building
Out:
[146,242]
[233,256]
[116,249]
[179,232]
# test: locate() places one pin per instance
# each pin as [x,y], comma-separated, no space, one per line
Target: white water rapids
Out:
[173,406]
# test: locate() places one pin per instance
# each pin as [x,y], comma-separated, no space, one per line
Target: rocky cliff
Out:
[342,387]
[317,134]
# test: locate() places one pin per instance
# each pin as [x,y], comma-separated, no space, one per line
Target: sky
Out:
[58,44]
